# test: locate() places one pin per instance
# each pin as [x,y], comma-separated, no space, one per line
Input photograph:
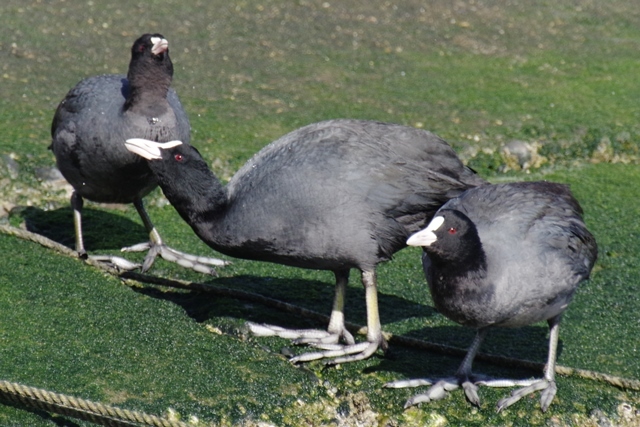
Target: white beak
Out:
[427,236]
[159,45]
[150,150]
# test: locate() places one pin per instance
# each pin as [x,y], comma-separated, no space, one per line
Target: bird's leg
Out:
[440,387]
[116,262]
[77,204]
[360,351]
[336,331]
[336,322]
[326,339]
[547,384]
[157,247]
[464,371]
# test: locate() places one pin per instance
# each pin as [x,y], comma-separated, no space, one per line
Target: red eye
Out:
[178,157]
[453,230]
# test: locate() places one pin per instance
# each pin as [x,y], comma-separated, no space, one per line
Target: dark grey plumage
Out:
[95,118]
[505,255]
[333,195]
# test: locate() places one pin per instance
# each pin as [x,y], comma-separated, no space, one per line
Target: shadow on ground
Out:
[102,229]
[311,294]
[528,343]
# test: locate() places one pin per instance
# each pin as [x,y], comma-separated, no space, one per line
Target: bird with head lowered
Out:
[335,195]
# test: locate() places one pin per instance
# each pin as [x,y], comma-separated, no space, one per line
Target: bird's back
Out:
[346,191]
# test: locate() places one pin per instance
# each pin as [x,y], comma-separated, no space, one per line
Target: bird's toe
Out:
[341,354]
[437,391]
[115,262]
[548,392]
[471,391]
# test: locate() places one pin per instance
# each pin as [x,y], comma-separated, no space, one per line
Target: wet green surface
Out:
[556,75]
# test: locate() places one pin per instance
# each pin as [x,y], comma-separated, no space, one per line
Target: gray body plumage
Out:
[88,134]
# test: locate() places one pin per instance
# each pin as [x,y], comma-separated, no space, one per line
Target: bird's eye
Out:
[178,157]
[453,230]
[141,48]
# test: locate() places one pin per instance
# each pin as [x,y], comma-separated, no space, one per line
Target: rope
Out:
[110,416]
[79,408]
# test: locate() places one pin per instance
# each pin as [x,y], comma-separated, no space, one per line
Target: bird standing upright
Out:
[88,133]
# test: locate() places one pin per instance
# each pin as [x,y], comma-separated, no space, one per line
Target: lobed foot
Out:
[437,391]
[197,263]
[337,354]
[440,388]
[328,342]
[547,387]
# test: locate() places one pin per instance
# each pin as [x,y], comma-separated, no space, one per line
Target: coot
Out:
[88,133]
[505,255]
[333,195]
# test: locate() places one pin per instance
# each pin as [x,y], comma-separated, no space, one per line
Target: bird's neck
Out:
[146,97]
[202,202]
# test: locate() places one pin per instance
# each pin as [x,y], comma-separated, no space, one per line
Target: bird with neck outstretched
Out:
[335,195]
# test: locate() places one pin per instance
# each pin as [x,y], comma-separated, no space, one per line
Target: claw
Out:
[437,392]
[314,337]
[309,335]
[355,353]
[547,395]
[262,330]
[140,247]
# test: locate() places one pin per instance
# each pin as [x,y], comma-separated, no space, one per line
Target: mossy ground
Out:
[559,76]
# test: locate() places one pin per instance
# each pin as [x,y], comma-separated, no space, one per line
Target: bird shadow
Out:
[527,343]
[101,229]
[104,230]
[310,294]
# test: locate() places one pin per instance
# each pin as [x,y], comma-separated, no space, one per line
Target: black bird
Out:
[333,195]
[505,255]
[91,125]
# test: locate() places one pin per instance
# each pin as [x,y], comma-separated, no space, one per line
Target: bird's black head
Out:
[451,238]
[153,45]
[171,161]
[182,173]
[150,57]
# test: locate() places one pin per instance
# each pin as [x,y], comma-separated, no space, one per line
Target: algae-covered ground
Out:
[556,82]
